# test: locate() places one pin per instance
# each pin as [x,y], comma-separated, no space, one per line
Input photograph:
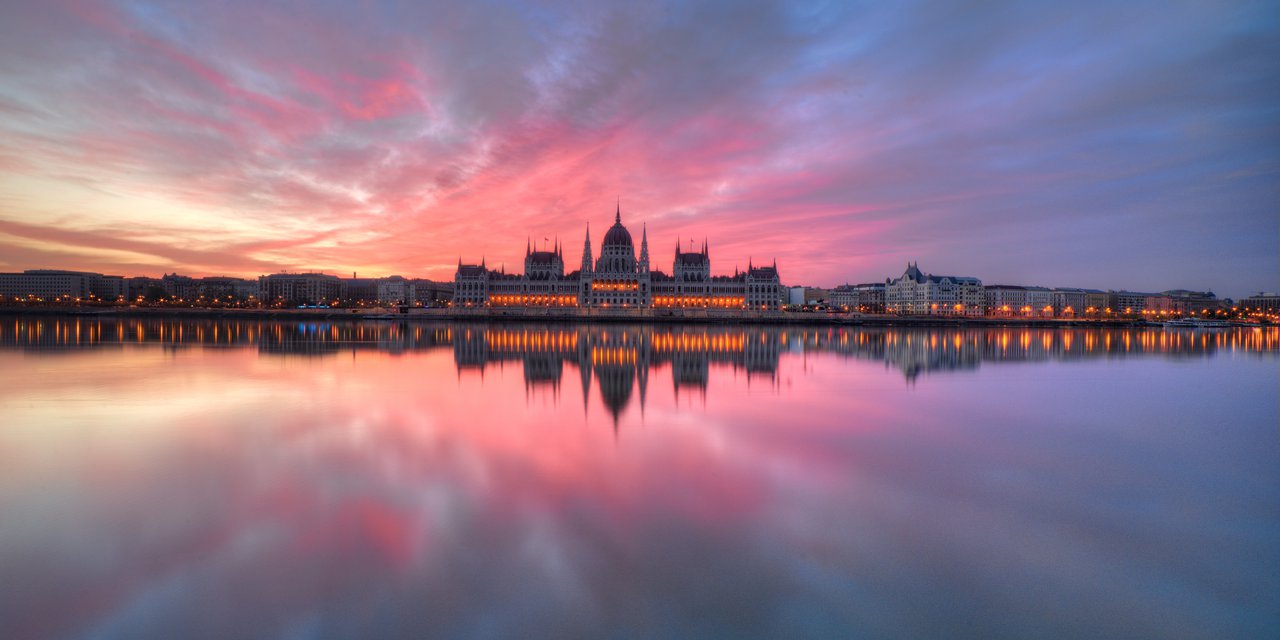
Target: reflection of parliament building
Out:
[618,279]
[620,360]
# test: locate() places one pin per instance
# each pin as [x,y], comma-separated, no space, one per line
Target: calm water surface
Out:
[228,479]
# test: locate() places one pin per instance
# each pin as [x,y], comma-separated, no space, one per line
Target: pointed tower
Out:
[587,260]
[643,267]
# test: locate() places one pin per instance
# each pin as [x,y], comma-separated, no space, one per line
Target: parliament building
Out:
[618,279]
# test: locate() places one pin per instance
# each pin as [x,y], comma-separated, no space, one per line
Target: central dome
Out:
[618,236]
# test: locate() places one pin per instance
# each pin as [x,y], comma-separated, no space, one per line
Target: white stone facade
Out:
[917,293]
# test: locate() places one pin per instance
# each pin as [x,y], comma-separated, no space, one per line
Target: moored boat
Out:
[1196,323]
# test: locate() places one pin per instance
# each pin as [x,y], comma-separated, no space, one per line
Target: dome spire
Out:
[617,216]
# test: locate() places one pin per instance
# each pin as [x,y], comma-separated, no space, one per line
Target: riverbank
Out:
[632,316]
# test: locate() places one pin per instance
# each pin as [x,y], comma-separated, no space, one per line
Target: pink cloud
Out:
[427,135]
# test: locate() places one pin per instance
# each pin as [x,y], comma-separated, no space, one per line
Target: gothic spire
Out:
[586,251]
[644,248]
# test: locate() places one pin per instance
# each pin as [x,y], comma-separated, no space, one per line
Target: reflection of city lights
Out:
[648,346]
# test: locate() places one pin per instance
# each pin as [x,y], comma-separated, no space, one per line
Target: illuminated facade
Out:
[1262,303]
[1013,301]
[53,284]
[618,279]
[917,293]
[864,298]
[300,288]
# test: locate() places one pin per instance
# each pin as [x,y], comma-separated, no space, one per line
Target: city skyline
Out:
[1081,146]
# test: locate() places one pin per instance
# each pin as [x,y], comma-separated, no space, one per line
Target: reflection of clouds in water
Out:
[544,349]
[306,511]
[381,494]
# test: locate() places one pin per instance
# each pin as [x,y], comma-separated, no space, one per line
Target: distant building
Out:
[396,290]
[431,293]
[845,297]
[228,289]
[1040,301]
[1004,300]
[471,285]
[764,287]
[300,288]
[863,298]
[1159,304]
[692,285]
[1098,302]
[1069,302]
[1130,302]
[1265,303]
[917,293]
[1008,301]
[870,297]
[359,290]
[617,279]
[183,288]
[44,285]
[817,295]
[1181,301]
[52,285]
[144,286]
[108,288]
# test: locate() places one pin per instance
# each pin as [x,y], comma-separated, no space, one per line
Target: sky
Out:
[1129,145]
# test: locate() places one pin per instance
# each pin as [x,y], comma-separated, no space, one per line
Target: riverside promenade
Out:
[574,315]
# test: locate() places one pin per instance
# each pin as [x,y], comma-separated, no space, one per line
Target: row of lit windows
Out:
[615,286]
[703,290]
[699,301]
[534,300]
